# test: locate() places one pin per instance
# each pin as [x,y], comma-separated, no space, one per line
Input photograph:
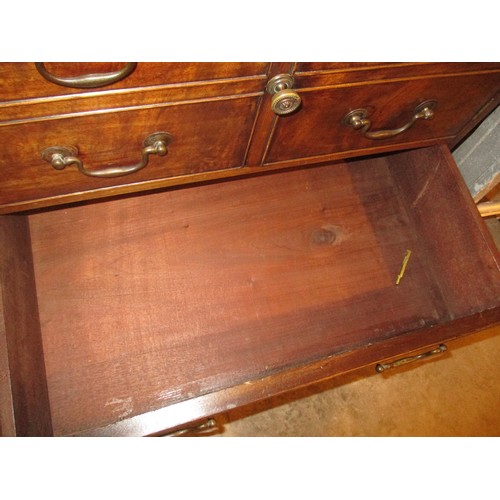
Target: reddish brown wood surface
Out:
[474,121]
[166,308]
[318,74]
[64,106]
[24,403]
[155,300]
[460,252]
[317,128]
[266,119]
[209,104]
[21,80]
[362,360]
[7,419]
[206,136]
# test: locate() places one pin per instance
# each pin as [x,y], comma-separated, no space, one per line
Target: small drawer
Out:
[23,80]
[205,136]
[320,129]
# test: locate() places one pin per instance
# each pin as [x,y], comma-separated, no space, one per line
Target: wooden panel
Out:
[45,109]
[306,67]
[463,258]
[362,360]
[320,74]
[207,136]
[155,300]
[266,119]
[22,81]
[317,128]
[24,405]
[7,418]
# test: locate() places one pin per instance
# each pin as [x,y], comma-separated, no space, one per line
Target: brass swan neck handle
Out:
[357,119]
[62,156]
[89,81]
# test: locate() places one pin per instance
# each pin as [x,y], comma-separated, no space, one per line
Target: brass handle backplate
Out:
[403,361]
[62,156]
[89,81]
[284,100]
[357,119]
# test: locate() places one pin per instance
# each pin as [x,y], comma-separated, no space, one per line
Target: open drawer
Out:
[138,315]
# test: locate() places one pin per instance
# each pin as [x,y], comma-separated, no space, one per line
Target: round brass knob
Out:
[284,100]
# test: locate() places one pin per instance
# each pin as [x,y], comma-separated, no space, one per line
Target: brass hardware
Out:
[403,361]
[90,81]
[284,100]
[61,156]
[403,266]
[204,428]
[357,119]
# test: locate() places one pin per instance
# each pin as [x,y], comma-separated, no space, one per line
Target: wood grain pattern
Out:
[435,189]
[265,119]
[133,315]
[480,115]
[320,74]
[363,361]
[207,136]
[159,299]
[317,129]
[202,93]
[66,106]
[21,80]
[7,418]
[24,404]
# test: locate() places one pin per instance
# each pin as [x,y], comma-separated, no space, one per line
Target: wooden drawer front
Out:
[207,136]
[23,81]
[332,73]
[316,131]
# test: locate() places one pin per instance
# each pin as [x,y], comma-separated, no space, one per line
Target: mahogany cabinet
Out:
[180,239]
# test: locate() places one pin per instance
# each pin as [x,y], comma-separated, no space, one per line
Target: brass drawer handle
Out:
[62,156]
[357,119]
[90,81]
[199,430]
[284,100]
[403,361]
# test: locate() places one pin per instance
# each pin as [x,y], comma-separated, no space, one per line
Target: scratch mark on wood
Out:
[426,185]
[123,406]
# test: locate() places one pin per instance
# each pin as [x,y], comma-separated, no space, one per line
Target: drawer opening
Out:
[174,300]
